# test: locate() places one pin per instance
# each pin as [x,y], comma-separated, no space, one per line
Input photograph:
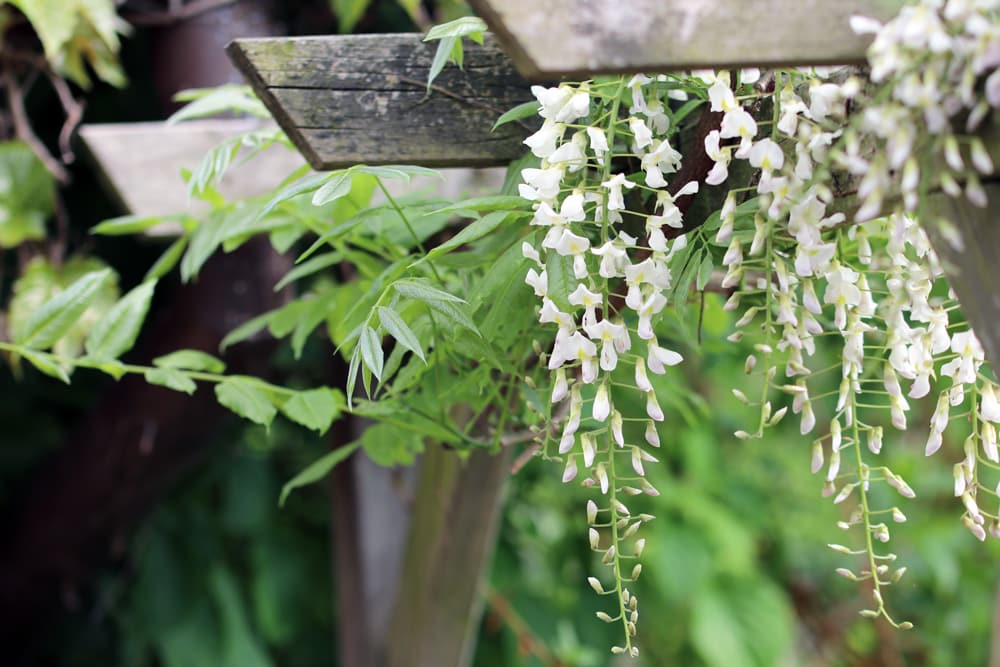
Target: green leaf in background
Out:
[220,99]
[559,271]
[57,316]
[421,291]
[132,224]
[485,204]
[400,330]
[246,330]
[741,624]
[191,360]
[240,647]
[315,409]
[471,232]
[75,31]
[386,446]
[45,364]
[27,195]
[115,333]
[242,396]
[348,13]
[318,469]
[171,378]
[167,261]
[309,267]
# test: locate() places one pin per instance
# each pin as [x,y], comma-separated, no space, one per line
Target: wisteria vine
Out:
[823,241]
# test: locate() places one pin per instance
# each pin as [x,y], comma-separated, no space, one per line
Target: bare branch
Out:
[22,128]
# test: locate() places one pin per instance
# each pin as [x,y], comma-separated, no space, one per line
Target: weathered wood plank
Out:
[362,99]
[142,162]
[580,38]
[452,537]
[969,254]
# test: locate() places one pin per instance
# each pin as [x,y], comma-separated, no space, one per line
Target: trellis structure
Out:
[345,100]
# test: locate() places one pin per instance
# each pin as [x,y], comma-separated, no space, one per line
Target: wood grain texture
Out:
[581,38]
[452,538]
[141,163]
[362,99]
[969,257]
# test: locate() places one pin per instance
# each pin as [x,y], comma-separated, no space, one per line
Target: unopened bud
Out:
[604,617]
[636,571]
[640,544]
[596,585]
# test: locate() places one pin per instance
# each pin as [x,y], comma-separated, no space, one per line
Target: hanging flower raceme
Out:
[799,265]
[602,290]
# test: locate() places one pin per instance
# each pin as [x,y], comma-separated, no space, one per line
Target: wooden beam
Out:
[141,162]
[363,99]
[581,38]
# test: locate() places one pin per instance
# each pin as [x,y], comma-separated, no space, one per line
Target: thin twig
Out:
[527,641]
[22,128]
[74,114]
[524,458]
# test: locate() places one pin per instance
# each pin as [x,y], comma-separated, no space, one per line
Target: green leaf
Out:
[348,13]
[242,396]
[525,110]
[399,172]
[168,260]
[446,52]
[45,364]
[315,409]
[484,204]
[171,378]
[421,291]
[27,193]
[337,185]
[705,272]
[455,313]
[387,447]
[72,31]
[245,331]
[220,99]
[310,183]
[115,333]
[562,281]
[469,233]
[308,268]
[191,360]
[57,316]
[371,351]
[318,469]
[132,224]
[400,330]
[462,27]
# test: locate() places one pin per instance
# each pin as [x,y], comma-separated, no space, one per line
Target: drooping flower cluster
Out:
[823,241]
[602,288]
[798,260]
